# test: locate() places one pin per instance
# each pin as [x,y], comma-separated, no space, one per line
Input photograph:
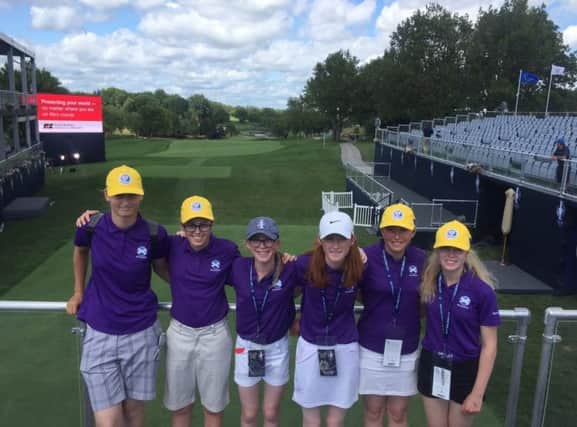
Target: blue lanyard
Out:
[329,315]
[446,323]
[396,294]
[257,309]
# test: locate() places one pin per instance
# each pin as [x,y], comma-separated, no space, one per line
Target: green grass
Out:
[243,178]
[367,149]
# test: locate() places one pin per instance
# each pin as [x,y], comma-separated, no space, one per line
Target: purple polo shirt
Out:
[379,300]
[197,280]
[474,305]
[118,299]
[313,322]
[278,311]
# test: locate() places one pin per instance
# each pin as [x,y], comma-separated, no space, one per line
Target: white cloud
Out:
[391,16]
[114,4]
[60,18]
[330,19]
[241,52]
[226,30]
[570,36]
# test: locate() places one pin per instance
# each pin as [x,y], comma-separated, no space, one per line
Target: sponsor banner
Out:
[69,113]
[61,126]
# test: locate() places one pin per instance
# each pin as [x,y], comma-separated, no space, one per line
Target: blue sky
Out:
[240,52]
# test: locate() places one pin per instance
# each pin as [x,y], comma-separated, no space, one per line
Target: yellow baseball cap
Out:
[124,180]
[453,234]
[398,215]
[195,207]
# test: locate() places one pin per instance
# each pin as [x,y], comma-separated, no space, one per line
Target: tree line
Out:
[440,63]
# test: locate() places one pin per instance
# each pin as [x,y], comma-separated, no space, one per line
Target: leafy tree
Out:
[241,113]
[512,38]
[429,53]
[114,97]
[114,118]
[45,81]
[152,118]
[333,88]
[302,119]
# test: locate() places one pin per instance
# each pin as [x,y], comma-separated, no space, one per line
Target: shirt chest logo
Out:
[277,286]
[141,252]
[464,302]
[413,271]
[215,265]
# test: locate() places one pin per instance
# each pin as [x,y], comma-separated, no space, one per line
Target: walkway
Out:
[510,277]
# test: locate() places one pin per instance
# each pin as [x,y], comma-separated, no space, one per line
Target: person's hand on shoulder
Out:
[84,218]
[286,258]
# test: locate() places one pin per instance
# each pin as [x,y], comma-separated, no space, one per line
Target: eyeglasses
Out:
[266,243]
[202,226]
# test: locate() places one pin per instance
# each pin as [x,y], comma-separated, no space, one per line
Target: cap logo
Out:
[124,179]
[196,206]
[334,220]
[398,214]
[260,224]
[451,234]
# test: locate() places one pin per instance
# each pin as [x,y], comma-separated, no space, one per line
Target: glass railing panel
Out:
[41,384]
[561,400]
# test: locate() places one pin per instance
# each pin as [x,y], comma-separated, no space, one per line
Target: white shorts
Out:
[197,356]
[276,362]
[380,380]
[312,390]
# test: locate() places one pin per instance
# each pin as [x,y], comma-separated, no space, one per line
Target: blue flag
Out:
[528,78]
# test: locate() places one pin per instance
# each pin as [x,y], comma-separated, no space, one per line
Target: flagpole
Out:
[518,89]
[549,91]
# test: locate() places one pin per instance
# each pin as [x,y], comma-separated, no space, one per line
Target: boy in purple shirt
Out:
[389,326]
[265,307]
[460,343]
[327,354]
[122,340]
[199,343]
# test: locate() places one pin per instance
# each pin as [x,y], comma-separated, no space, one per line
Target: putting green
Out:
[208,149]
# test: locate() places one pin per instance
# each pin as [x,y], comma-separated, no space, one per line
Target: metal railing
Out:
[366,216]
[340,199]
[19,158]
[13,99]
[553,315]
[523,168]
[371,185]
[521,316]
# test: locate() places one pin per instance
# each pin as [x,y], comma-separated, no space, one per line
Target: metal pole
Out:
[518,90]
[519,339]
[566,165]
[86,407]
[549,340]
[549,91]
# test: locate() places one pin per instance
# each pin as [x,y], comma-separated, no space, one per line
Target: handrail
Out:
[404,140]
[521,315]
[551,319]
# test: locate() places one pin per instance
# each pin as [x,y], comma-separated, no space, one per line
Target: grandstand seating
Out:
[518,145]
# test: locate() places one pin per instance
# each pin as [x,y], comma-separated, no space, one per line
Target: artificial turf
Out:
[243,178]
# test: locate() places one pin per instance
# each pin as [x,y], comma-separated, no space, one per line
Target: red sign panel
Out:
[69,113]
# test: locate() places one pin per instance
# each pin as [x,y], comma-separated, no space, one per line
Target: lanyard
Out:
[329,315]
[396,294]
[446,323]
[258,309]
